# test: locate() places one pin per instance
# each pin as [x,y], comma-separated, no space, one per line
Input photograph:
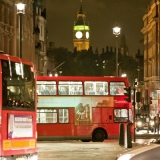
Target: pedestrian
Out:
[156,122]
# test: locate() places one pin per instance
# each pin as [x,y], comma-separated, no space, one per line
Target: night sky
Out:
[102,16]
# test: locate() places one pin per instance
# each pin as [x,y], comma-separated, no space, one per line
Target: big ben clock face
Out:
[87,35]
[79,34]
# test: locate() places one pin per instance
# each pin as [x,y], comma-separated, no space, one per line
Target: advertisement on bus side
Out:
[20,126]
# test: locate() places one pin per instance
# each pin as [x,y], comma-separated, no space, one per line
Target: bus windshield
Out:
[18,85]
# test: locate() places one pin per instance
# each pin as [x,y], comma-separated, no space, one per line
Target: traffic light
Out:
[128,94]
[150,100]
[138,97]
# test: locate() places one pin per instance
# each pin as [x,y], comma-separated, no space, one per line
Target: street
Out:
[77,150]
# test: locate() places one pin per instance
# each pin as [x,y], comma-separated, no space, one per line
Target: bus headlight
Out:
[139,123]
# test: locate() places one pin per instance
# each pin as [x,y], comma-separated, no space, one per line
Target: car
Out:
[143,123]
[148,151]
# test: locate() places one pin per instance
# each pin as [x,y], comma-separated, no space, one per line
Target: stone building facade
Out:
[33,31]
[151,32]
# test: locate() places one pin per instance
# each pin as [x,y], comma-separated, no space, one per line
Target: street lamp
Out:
[20,11]
[124,75]
[138,69]
[116,32]
[50,73]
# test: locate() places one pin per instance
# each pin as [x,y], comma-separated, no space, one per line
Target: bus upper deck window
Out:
[117,88]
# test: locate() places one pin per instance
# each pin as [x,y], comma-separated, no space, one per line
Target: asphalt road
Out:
[77,150]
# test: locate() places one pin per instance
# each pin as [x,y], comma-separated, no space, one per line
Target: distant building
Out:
[81,32]
[10,30]
[33,31]
[123,46]
[151,32]
[40,32]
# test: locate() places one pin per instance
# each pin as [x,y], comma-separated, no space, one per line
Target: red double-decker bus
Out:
[17,109]
[82,108]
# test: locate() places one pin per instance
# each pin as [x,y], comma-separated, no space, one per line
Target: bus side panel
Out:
[84,131]
[57,129]
[1,144]
[62,131]
[103,118]
[49,129]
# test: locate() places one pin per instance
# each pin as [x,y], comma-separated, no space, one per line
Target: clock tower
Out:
[81,31]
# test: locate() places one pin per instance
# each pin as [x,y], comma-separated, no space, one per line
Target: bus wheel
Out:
[98,136]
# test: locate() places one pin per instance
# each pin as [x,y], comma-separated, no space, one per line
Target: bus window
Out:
[63,90]
[96,88]
[18,86]
[46,88]
[117,88]
[101,88]
[75,88]
[89,88]
[70,88]
[47,116]
[120,115]
[63,116]
[52,90]
[42,116]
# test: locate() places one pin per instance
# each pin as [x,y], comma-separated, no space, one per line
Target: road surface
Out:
[77,150]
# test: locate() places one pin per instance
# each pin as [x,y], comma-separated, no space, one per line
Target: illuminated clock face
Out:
[79,34]
[87,35]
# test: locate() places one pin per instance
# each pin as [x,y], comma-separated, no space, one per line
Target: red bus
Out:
[17,109]
[82,108]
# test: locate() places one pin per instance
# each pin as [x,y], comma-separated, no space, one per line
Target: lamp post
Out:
[20,11]
[50,73]
[138,69]
[116,32]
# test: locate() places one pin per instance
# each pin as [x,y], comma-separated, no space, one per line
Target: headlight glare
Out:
[139,123]
[125,157]
[151,123]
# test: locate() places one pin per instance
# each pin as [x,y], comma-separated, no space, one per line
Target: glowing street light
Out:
[20,11]
[124,75]
[116,32]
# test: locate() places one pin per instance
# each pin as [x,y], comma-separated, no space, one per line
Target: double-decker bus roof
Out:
[84,78]
[15,59]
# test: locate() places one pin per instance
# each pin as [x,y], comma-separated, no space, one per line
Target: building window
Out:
[41,30]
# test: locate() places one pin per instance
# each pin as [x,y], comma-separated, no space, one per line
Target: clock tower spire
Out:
[81,31]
